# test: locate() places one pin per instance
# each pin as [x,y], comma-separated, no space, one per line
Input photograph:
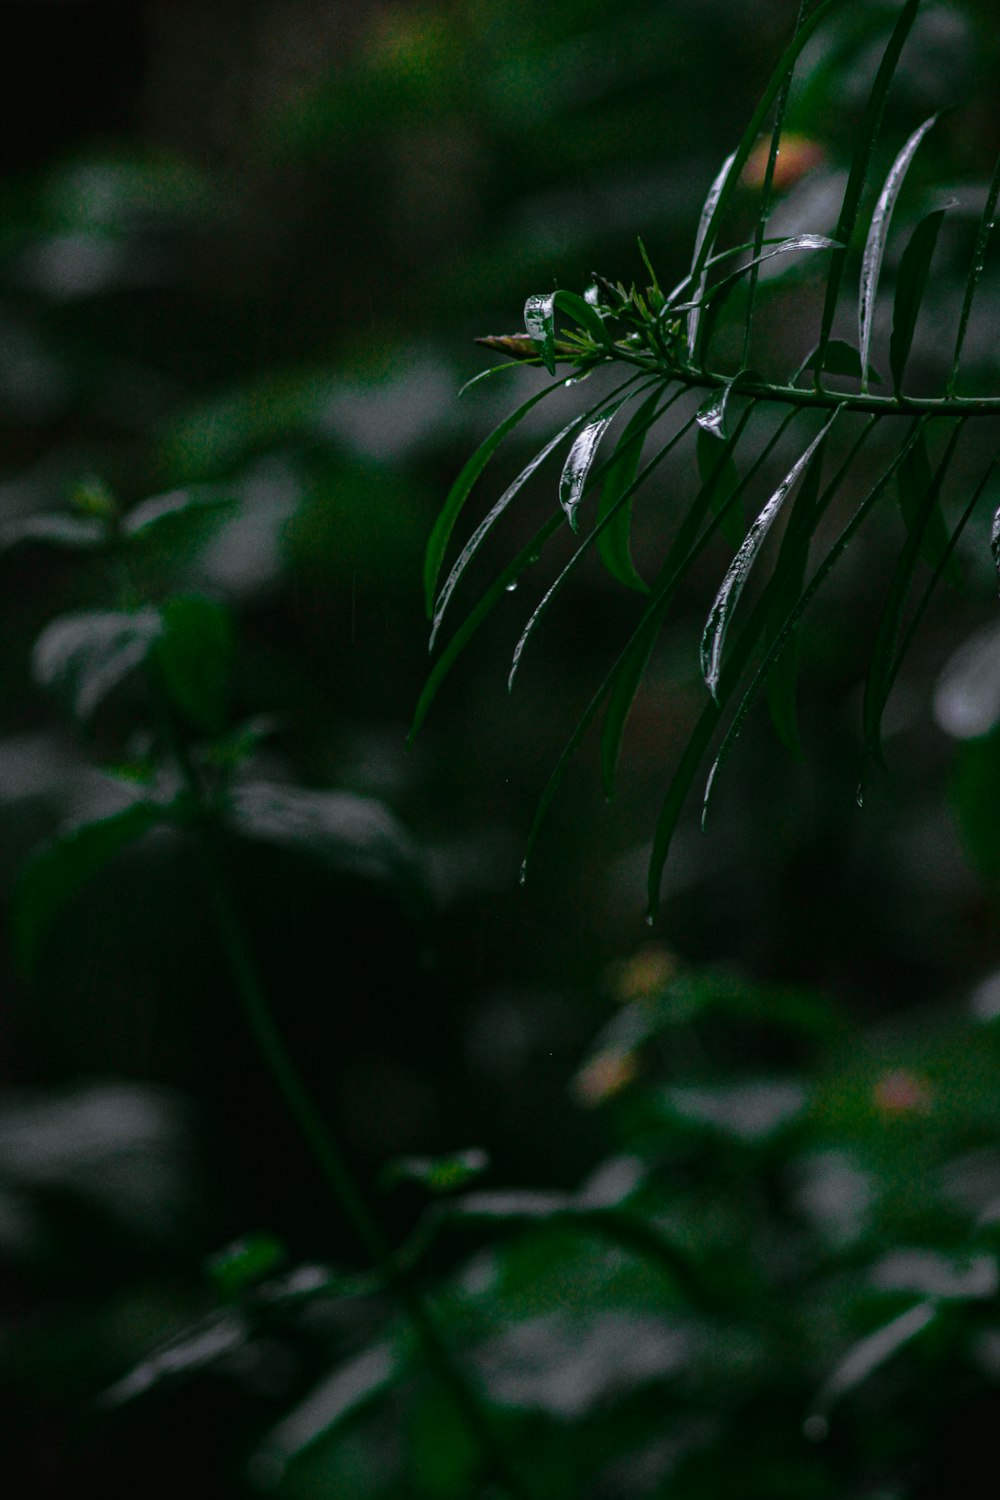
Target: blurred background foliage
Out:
[249,245]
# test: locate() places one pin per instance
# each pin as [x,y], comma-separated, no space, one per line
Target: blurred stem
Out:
[322,1144]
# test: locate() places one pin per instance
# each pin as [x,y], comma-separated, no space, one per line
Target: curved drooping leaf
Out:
[585,546]
[83,656]
[459,492]
[614,543]
[765,192]
[914,269]
[485,526]
[539,320]
[878,233]
[865,139]
[179,522]
[697,278]
[913,482]
[726,182]
[883,653]
[738,572]
[820,576]
[54,875]
[580,459]
[789,576]
[497,590]
[986,225]
[713,301]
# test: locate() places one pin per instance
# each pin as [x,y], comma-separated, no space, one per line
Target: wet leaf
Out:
[878,233]
[614,543]
[732,586]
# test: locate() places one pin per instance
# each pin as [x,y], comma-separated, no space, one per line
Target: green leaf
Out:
[194,655]
[478,536]
[878,683]
[741,654]
[74,533]
[354,836]
[738,571]
[580,459]
[914,269]
[52,877]
[475,618]
[864,1358]
[696,278]
[83,656]
[878,233]
[865,139]
[713,301]
[724,483]
[177,523]
[247,1261]
[614,543]
[725,183]
[913,483]
[841,358]
[539,320]
[588,542]
[789,577]
[459,493]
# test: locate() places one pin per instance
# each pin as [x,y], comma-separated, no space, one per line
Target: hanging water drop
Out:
[510,587]
[650,919]
[816,1428]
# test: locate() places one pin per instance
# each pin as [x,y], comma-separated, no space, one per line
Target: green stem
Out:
[335,1170]
[321,1143]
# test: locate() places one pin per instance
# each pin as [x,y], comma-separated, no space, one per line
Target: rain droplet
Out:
[650,919]
[816,1428]
[522,874]
[859,795]
[510,587]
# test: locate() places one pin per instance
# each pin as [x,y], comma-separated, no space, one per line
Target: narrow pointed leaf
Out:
[586,544]
[697,276]
[760,618]
[739,569]
[614,544]
[914,269]
[840,358]
[878,234]
[459,493]
[475,618]
[580,459]
[820,576]
[74,533]
[878,682]
[865,139]
[940,567]
[975,271]
[477,538]
[789,577]
[725,483]
[713,301]
[687,546]
[718,202]
[913,482]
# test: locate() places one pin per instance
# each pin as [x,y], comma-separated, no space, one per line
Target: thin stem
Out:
[332,1164]
[322,1144]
